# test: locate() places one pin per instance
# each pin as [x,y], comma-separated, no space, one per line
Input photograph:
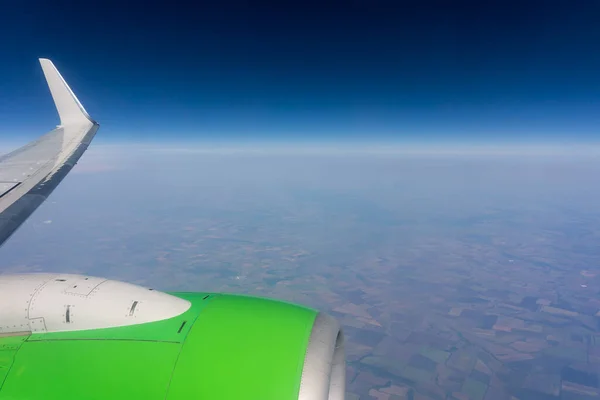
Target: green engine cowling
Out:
[223,347]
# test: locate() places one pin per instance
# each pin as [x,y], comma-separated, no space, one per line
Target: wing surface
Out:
[29,174]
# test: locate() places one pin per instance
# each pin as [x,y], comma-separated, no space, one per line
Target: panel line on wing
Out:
[7,187]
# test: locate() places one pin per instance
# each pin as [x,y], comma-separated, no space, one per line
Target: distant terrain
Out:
[455,277]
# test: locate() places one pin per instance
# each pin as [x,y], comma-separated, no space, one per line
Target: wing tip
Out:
[46,61]
[67,104]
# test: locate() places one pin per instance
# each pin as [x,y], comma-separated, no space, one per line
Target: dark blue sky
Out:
[374,71]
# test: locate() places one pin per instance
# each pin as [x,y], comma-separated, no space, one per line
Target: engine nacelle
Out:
[80,337]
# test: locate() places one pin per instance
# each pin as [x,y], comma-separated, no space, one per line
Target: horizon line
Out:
[347,148]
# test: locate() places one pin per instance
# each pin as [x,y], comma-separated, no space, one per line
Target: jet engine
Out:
[80,337]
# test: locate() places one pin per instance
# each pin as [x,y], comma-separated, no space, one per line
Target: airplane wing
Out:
[29,174]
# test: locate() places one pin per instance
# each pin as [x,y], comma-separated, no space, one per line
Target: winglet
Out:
[69,108]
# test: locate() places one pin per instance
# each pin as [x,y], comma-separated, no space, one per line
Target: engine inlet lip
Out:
[324,371]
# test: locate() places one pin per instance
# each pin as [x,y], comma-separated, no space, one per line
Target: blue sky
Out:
[352,71]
